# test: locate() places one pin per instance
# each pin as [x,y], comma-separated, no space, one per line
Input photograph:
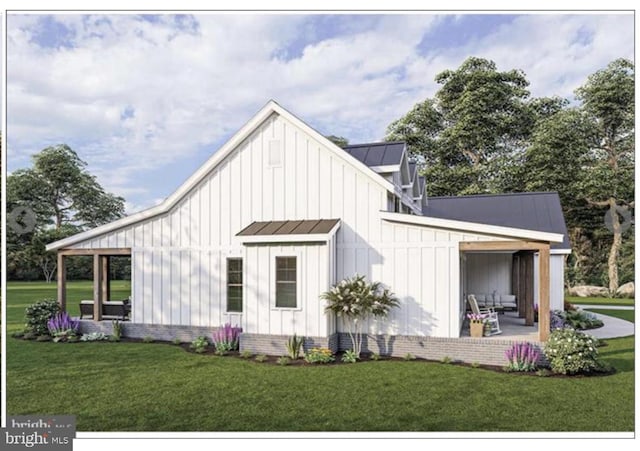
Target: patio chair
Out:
[491,316]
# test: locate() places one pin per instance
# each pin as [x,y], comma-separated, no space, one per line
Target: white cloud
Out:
[134,96]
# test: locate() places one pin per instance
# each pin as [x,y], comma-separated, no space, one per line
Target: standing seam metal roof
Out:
[300,227]
[378,154]
[531,211]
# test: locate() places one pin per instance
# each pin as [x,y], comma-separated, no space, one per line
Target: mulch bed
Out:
[273,360]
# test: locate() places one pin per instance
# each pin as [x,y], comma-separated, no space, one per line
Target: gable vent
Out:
[275,153]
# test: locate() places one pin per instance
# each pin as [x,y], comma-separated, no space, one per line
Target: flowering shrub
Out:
[62,327]
[571,352]
[38,315]
[557,320]
[522,357]
[319,355]
[227,338]
[94,336]
[476,318]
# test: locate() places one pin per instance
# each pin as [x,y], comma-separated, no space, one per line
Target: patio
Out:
[513,328]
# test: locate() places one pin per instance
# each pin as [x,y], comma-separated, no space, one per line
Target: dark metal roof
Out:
[531,211]
[412,169]
[377,154]
[305,227]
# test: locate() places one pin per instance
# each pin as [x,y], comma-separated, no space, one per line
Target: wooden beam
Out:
[97,292]
[100,251]
[105,286]
[62,283]
[544,284]
[502,245]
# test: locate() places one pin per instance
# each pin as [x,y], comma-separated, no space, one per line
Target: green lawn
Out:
[159,387]
[628,315]
[600,301]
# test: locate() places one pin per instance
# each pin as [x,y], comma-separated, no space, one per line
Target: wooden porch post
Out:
[97,291]
[105,286]
[544,318]
[62,283]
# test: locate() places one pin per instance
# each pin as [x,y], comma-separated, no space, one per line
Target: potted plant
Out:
[476,324]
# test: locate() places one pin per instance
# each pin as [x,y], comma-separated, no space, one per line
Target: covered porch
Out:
[101,306]
[512,277]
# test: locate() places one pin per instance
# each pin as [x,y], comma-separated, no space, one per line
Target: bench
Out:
[497,301]
[110,310]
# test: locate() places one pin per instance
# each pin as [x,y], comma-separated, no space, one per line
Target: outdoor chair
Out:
[491,316]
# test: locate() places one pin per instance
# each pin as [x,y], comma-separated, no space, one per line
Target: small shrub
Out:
[246,354]
[148,339]
[319,355]
[176,341]
[94,336]
[522,357]
[116,330]
[226,339]
[18,335]
[349,357]
[446,359]
[62,327]
[37,316]
[408,356]
[374,356]
[284,360]
[43,338]
[475,364]
[571,352]
[294,346]
[581,320]
[261,358]
[200,344]
[543,372]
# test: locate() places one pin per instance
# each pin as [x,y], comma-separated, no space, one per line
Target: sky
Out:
[146,99]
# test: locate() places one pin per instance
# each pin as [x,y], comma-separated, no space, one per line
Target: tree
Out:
[338,140]
[355,300]
[60,191]
[608,100]
[65,200]
[478,117]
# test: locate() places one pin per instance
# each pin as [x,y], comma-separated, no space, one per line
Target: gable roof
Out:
[532,211]
[270,108]
[378,155]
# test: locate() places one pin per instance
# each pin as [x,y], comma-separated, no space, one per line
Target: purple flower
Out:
[227,337]
[522,357]
[62,322]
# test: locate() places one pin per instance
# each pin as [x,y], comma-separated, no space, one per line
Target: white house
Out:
[279,214]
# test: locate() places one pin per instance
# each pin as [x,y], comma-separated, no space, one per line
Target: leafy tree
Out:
[355,300]
[608,101]
[65,199]
[466,134]
[338,140]
[60,191]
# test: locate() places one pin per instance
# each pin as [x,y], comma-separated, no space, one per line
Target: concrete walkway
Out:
[605,307]
[613,327]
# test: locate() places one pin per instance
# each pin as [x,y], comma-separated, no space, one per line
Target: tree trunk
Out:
[615,247]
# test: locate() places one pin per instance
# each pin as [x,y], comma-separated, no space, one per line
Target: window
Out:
[396,204]
[234,285]
[286,285]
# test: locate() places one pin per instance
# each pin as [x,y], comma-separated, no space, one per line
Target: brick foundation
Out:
[277,344]
[464,349]
[156,331]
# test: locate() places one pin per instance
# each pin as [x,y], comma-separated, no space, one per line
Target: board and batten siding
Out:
[179,258]
[421,265]
[488,272]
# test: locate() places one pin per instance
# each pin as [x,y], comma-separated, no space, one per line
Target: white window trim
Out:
[272,279]
[223,289]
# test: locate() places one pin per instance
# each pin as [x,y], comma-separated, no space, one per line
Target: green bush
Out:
[148,339]
[200,344]
[571,352]
[374,356]
[408,356]
[246,354]
[261,358]
[284,360]
[177,341]
[294,345]
[319,355]
[349,357]
[116,330]
[38,315]
[581,320]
